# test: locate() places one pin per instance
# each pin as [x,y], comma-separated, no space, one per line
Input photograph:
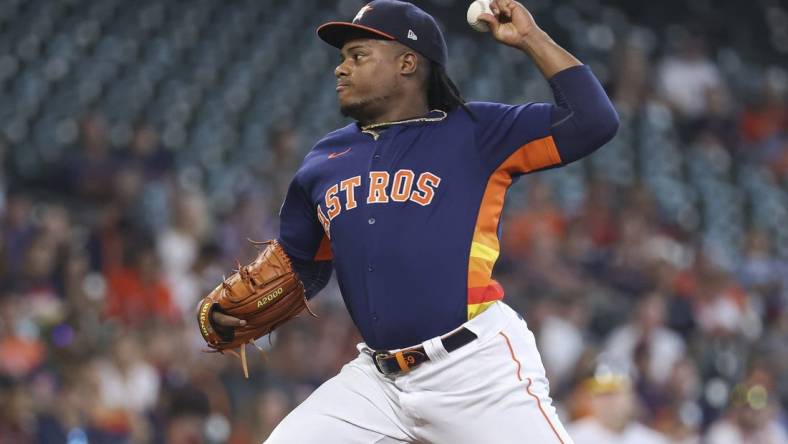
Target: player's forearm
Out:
[548,56]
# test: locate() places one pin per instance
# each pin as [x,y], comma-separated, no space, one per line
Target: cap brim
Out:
[337,34]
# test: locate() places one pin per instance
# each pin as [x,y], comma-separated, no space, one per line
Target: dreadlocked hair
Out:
[442,93]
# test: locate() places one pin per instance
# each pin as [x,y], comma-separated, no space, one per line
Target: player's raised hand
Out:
[511,23]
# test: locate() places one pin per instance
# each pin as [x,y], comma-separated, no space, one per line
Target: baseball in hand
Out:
[476,8]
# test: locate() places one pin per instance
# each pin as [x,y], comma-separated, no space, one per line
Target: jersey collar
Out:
[374,129]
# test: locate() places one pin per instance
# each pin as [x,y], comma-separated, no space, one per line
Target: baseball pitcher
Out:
[405,204]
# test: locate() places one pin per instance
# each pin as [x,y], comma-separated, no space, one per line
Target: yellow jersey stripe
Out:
[482,251]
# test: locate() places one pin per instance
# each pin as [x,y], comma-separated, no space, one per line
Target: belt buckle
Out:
[377,356]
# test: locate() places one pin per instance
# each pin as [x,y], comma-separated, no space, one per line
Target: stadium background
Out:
[142,142]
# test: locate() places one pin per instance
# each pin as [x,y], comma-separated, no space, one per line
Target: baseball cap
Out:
[391,20]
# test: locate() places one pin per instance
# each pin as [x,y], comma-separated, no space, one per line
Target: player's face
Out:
[367,77]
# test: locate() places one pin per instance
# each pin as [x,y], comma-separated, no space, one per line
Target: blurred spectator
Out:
[679,414]
[597,216]
[248,219]
[127,388]
[561,337]
[21,348]
[613,411]
[761,273]
[533,244]
[136,292]
[17,420]
[128,184]
[538,219]
[3,173]
[68,416]
[38,274]
[272,406]
[335,336]
[725,309]
[146,152]
[632,77]
[125,380]
[155,166]
[208,268]
[178,246]
[545,271]
[186,415]
[93,168]
[719,120]
[752,418]
[293,343]
[106,241]
[688,78]
[17,232]
[646,337]
[283,145]
[766,117]
[629,267]
[773,348]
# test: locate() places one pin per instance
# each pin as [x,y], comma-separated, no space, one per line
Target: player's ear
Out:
[409,63]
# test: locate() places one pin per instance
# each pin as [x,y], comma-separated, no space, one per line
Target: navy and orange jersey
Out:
[410,214]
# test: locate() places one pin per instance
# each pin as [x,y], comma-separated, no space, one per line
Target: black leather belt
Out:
[404,360]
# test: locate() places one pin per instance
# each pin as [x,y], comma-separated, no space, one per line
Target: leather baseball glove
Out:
[265,293]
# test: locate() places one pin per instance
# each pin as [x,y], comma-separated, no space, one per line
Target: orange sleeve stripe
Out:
[324,251]
[486,233]
[492,204]
[539,153]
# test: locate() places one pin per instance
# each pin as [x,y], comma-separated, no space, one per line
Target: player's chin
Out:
[351,108]
[362,109]
[347,98]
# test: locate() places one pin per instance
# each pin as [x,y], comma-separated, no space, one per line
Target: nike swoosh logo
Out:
[333,155]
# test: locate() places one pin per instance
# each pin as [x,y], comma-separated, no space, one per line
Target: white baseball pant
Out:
[492,390]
